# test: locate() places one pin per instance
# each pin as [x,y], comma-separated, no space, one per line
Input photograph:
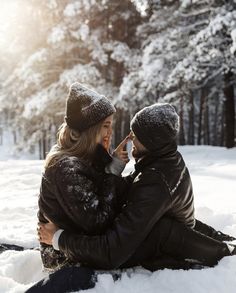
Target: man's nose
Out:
[131,136]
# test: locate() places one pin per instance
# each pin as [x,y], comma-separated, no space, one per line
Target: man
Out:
[158,218]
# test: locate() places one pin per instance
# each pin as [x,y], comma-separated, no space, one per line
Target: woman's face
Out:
[105,134]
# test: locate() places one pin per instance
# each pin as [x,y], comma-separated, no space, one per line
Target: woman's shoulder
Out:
[72,162]
[71,165]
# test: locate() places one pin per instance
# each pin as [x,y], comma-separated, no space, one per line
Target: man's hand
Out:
[46,232]
[120,153]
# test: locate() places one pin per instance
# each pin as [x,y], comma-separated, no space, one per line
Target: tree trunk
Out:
[191,120]
[201,106]
[44,143]
[40,150]
[117,126]
[1,136]
[121,126]
[14,137]
[181,118]
[206,123]
[222,132]
[229,110]
[216,120]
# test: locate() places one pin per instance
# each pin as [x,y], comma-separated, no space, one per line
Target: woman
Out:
[78,189]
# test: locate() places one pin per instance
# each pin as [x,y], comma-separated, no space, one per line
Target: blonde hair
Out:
[71,142]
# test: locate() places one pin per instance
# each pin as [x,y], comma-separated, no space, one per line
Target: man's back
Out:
[173,172]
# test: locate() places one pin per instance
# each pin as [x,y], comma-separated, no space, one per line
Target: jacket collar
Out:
[166,151]
[101,158]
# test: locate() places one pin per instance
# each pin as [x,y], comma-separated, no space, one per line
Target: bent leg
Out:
[173,239]
[211,232]
[190,244]
[68,279]
[150,256]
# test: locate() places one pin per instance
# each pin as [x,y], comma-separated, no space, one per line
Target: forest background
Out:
[136,52]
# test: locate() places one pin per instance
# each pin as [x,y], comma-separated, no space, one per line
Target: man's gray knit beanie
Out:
[85,108]
[156,125]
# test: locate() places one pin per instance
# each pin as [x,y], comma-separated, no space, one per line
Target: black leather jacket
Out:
[161,186]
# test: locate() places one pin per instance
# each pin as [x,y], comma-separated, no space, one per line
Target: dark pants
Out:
[66,280]
[168,245]
[171,244]
[150,248]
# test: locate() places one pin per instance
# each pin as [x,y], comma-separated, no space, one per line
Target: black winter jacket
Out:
[77,197]
[161,186]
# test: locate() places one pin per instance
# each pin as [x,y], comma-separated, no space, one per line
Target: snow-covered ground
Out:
[213,173]
[8,147]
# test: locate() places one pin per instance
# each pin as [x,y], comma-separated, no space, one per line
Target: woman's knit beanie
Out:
[85,107]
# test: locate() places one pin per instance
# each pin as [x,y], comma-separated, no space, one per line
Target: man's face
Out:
[138,150]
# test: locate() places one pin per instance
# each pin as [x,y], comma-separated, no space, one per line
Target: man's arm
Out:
[130,228]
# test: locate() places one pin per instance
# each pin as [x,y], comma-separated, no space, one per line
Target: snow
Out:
[83,73]
[82,33]
[52,4]
[121,52]
[75,8]
[72,9]
[7,140]
[57,35]
[233,36]
[213,171]
[27,73]
[186,3]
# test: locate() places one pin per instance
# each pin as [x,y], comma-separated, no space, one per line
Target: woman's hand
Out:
[46,232]
[120,153]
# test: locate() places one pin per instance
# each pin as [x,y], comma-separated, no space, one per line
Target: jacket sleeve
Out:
[130,228]
[86,204]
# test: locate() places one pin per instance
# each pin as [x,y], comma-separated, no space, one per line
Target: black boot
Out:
[189,244]
[169,262]
[4,247]
[211,232]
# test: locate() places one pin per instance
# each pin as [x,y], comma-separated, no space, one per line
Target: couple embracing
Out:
[91,218]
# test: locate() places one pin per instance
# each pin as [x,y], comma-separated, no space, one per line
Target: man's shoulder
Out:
[149,175]
[149,185]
